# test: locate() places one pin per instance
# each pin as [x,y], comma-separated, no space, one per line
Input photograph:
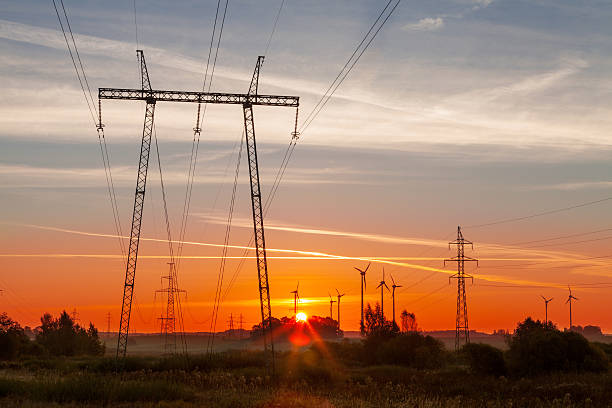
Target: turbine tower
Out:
[331,306]
[569,300]
[363,286]
[461,325]
[546,301]
[393,295]
[339,296]
[296,298]
[382,285]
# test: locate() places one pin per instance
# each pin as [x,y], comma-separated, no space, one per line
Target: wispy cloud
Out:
[426,24]
[579,185]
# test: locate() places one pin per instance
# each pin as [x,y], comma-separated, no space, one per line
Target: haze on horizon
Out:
[462,112]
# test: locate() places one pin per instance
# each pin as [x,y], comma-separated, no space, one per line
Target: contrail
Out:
[490,278]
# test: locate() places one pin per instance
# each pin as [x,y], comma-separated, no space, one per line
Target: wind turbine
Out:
[339,296]
[363,286]
[546,306]
[569,300]
[296,298]
[393,295]
[331,306]
[382,285]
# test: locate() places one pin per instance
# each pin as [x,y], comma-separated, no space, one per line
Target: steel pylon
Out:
[462,331]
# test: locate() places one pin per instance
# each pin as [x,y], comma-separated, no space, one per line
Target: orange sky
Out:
[82,269]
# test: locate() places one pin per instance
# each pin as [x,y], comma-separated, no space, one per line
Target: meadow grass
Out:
[305,379]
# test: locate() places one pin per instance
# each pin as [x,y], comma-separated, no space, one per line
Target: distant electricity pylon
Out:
[339,296]
[240,327]
[569,300]
[546,301]
[394,286]
[462,330]
[108,321]
[363,286]
[382,285]
[168,321]
[296,298]
[331,306]
[231,326]
[75,315]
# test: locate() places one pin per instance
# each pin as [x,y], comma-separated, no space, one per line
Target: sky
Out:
[489,114]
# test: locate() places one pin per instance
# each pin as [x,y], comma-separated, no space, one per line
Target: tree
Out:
[376,325]
[62,337]
[408,322]
[538,347]
[13,340]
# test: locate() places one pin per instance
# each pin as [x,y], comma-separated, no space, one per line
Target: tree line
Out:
[59,336]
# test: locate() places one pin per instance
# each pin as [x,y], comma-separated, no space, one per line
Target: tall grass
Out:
[94,388]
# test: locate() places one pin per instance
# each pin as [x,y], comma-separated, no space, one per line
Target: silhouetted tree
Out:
[13,340]
[376,325]
[408,322]
[62,337]
[538,347]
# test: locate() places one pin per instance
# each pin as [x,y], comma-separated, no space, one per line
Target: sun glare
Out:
[301,317]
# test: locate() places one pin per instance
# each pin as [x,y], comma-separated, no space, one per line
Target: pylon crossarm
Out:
[198,97]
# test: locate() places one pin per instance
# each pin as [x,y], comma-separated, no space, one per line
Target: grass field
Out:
[304,379]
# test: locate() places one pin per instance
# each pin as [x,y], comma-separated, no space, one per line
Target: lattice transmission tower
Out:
[248,100]
[168,319]
[462,331]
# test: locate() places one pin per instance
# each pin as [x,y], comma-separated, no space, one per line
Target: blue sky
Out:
[461,112]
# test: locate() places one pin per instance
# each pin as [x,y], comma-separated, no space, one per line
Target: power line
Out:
[274,27]
[84,83]
[540,214]
[561,237]
[136,27]
[199,120]
[218,297]
[318,107]
[344,71]
[570,243]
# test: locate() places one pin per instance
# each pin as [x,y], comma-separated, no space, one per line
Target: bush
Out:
[407,349]
[484,359]
[538,347]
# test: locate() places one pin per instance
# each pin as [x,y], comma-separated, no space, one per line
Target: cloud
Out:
[481,3]
[426,24]
[573,186]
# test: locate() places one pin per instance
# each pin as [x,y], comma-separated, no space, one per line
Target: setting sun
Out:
[301,317]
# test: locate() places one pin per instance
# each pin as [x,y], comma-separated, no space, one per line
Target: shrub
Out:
[484,359]
[538,347]
[411,350]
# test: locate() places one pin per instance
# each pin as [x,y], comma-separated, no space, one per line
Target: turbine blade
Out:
[367,267]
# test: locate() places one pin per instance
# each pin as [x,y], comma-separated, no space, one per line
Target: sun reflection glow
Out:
[301,317]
